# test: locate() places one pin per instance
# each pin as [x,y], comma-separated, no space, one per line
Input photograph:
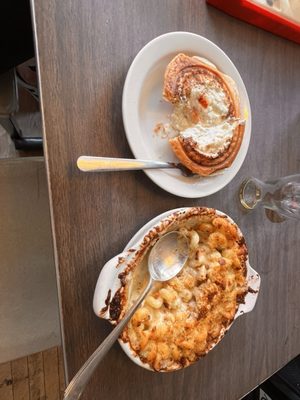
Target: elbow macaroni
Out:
[181,319]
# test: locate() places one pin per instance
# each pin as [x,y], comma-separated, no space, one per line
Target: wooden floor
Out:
[38,376]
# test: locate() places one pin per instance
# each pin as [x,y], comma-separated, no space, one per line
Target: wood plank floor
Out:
[38,376]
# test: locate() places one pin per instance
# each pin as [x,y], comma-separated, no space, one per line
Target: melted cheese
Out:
[182,318]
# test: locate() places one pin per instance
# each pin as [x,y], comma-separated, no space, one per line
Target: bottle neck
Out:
[253,191]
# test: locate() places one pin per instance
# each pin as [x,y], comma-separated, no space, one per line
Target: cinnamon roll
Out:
[206,116]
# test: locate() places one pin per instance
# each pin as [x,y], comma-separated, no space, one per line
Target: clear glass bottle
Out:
[279,195]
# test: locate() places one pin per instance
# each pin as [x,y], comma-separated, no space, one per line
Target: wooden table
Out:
[84,50]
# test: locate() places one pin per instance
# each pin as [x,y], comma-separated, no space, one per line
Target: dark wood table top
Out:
[84,50]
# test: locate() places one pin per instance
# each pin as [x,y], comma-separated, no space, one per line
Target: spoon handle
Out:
[104,164]
[80,380]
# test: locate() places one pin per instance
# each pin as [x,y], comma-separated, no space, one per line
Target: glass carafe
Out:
[279,195]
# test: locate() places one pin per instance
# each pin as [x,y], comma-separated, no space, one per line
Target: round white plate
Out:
[143,108]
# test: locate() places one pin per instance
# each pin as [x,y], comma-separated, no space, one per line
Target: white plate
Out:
[143,107]
[109,281]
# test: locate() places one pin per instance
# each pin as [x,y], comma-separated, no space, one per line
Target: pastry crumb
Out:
[164,131]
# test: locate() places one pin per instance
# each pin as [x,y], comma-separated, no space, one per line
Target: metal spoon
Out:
[105,164]
[108,164]
[165,261]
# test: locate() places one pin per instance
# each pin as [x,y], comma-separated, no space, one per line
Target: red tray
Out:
[259,16]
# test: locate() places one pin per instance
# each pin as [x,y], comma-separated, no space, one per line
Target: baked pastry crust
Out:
[182,319]
[182,74]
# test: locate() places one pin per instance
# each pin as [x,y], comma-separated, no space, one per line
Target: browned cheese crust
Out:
[182,319]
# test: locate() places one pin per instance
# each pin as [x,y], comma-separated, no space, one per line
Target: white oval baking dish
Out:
[109,282]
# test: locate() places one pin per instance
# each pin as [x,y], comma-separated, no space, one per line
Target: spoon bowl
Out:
[168,256]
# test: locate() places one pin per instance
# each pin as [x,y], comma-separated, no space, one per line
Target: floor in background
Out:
[7,148]
[29,312]
[39,376]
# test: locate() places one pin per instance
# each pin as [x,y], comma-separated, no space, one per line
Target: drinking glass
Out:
[279,195]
